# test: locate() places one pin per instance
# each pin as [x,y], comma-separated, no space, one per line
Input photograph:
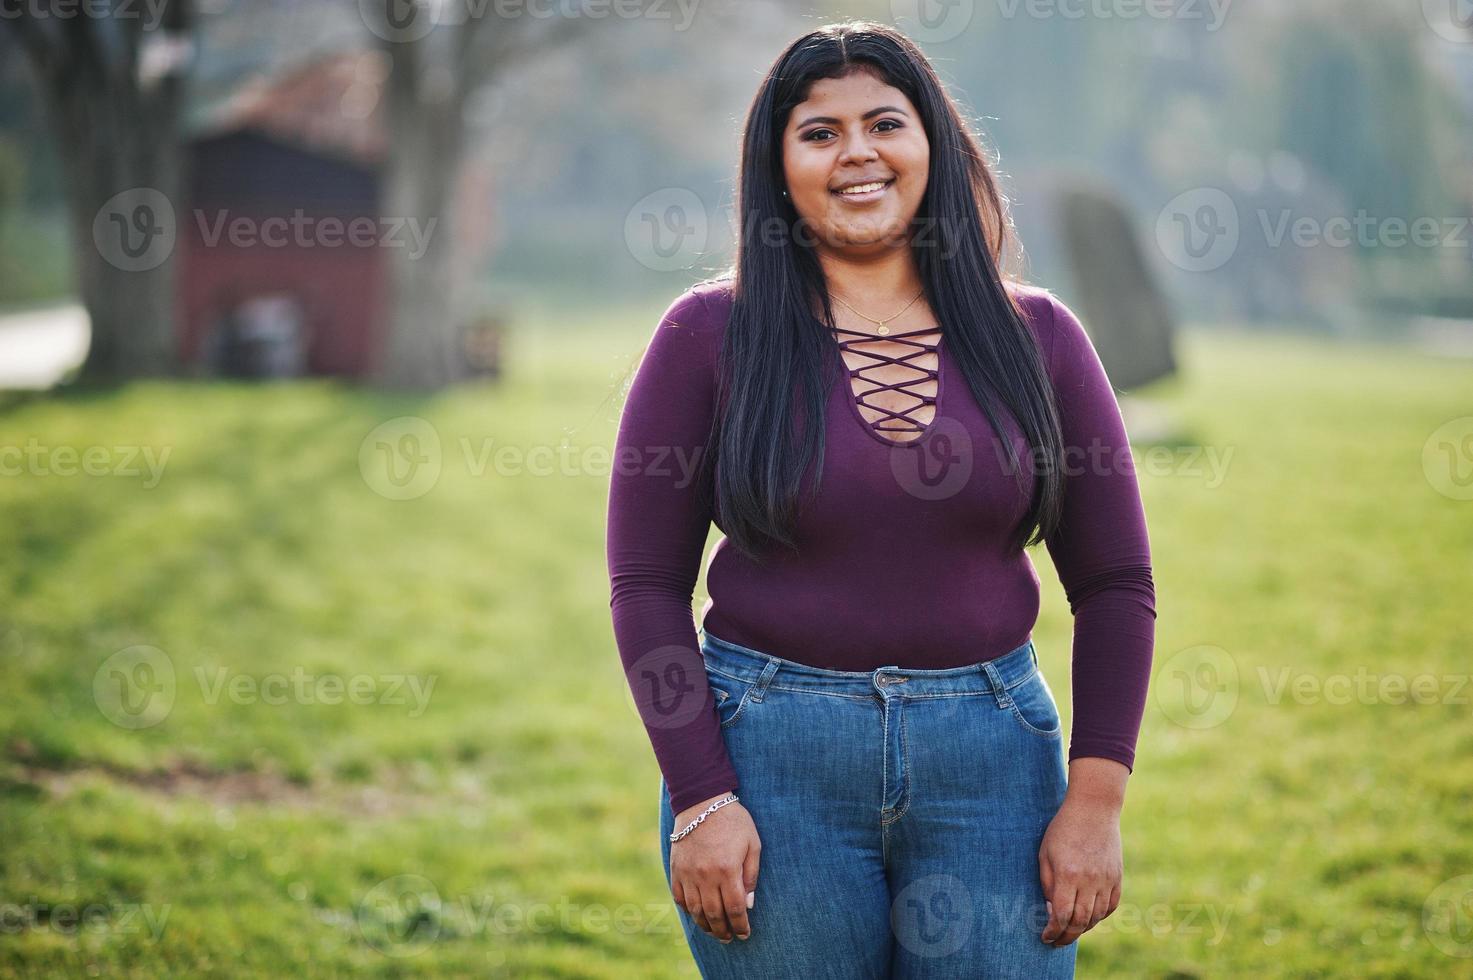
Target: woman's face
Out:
[856,131]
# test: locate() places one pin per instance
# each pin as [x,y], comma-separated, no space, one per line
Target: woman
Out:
[862,767]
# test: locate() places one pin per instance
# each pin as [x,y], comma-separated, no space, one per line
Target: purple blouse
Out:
[903,555]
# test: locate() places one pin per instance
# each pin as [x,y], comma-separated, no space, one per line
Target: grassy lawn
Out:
[256,714]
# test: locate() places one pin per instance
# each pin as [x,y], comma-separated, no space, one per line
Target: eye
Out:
[815,135]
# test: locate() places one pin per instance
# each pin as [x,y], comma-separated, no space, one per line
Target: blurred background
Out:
[315,322]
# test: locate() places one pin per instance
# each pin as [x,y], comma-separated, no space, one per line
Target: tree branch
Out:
[513,41]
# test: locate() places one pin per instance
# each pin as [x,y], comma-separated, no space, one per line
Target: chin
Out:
[883,230]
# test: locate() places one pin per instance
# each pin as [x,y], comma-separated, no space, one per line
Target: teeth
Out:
[863,188]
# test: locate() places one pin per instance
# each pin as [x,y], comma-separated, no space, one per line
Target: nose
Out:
[857,148]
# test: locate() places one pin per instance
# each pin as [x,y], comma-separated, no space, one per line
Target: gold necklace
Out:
[883,330]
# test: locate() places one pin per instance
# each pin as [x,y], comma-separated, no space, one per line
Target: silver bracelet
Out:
[730,798]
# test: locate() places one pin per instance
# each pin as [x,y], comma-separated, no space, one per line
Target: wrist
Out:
[690,827]
[1097,783]
[1097,806]
[695,809]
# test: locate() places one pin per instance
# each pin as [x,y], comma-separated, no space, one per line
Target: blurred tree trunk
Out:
[425,146]
[113,92]
[433,74]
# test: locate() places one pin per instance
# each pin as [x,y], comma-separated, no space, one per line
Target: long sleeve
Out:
[1101,552]
[658,519]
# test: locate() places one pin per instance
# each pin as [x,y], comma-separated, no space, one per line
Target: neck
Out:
[877,283]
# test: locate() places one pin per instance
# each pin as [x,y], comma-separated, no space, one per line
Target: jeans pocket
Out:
[1034,707]
[730,694]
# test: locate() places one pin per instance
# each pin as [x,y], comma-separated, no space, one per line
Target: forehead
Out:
[854,94]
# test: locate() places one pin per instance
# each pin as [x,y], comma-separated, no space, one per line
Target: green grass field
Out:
[259,718]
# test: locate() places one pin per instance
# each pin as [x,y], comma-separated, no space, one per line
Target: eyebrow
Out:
[830,120]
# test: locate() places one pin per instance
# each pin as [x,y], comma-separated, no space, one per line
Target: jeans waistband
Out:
[989,676]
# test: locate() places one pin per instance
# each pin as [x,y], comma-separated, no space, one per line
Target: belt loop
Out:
[760,688]
[999,690]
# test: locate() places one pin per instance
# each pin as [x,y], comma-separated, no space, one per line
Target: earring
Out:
[785,193]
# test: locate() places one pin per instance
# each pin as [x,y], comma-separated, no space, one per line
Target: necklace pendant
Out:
[883,330]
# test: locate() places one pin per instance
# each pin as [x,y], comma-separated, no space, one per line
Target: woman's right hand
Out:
[713,869]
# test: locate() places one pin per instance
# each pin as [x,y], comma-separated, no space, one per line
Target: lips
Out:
[859,191]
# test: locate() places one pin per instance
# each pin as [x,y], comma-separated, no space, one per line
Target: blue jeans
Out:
[900,813]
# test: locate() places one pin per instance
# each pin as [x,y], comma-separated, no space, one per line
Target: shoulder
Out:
[689,334]
[703,308]
[1057,328]
[1040,307]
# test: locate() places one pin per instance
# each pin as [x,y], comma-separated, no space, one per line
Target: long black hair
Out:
[776,362]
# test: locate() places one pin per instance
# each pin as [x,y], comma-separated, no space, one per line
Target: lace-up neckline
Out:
[891,423]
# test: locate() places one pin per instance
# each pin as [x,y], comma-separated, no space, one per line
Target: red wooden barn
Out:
[270,280]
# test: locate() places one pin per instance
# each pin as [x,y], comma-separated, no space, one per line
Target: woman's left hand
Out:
[1080,864]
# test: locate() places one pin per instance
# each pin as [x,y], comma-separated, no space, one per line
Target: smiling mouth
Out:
[860,193]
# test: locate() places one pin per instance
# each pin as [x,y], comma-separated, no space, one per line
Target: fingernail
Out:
[751,899]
